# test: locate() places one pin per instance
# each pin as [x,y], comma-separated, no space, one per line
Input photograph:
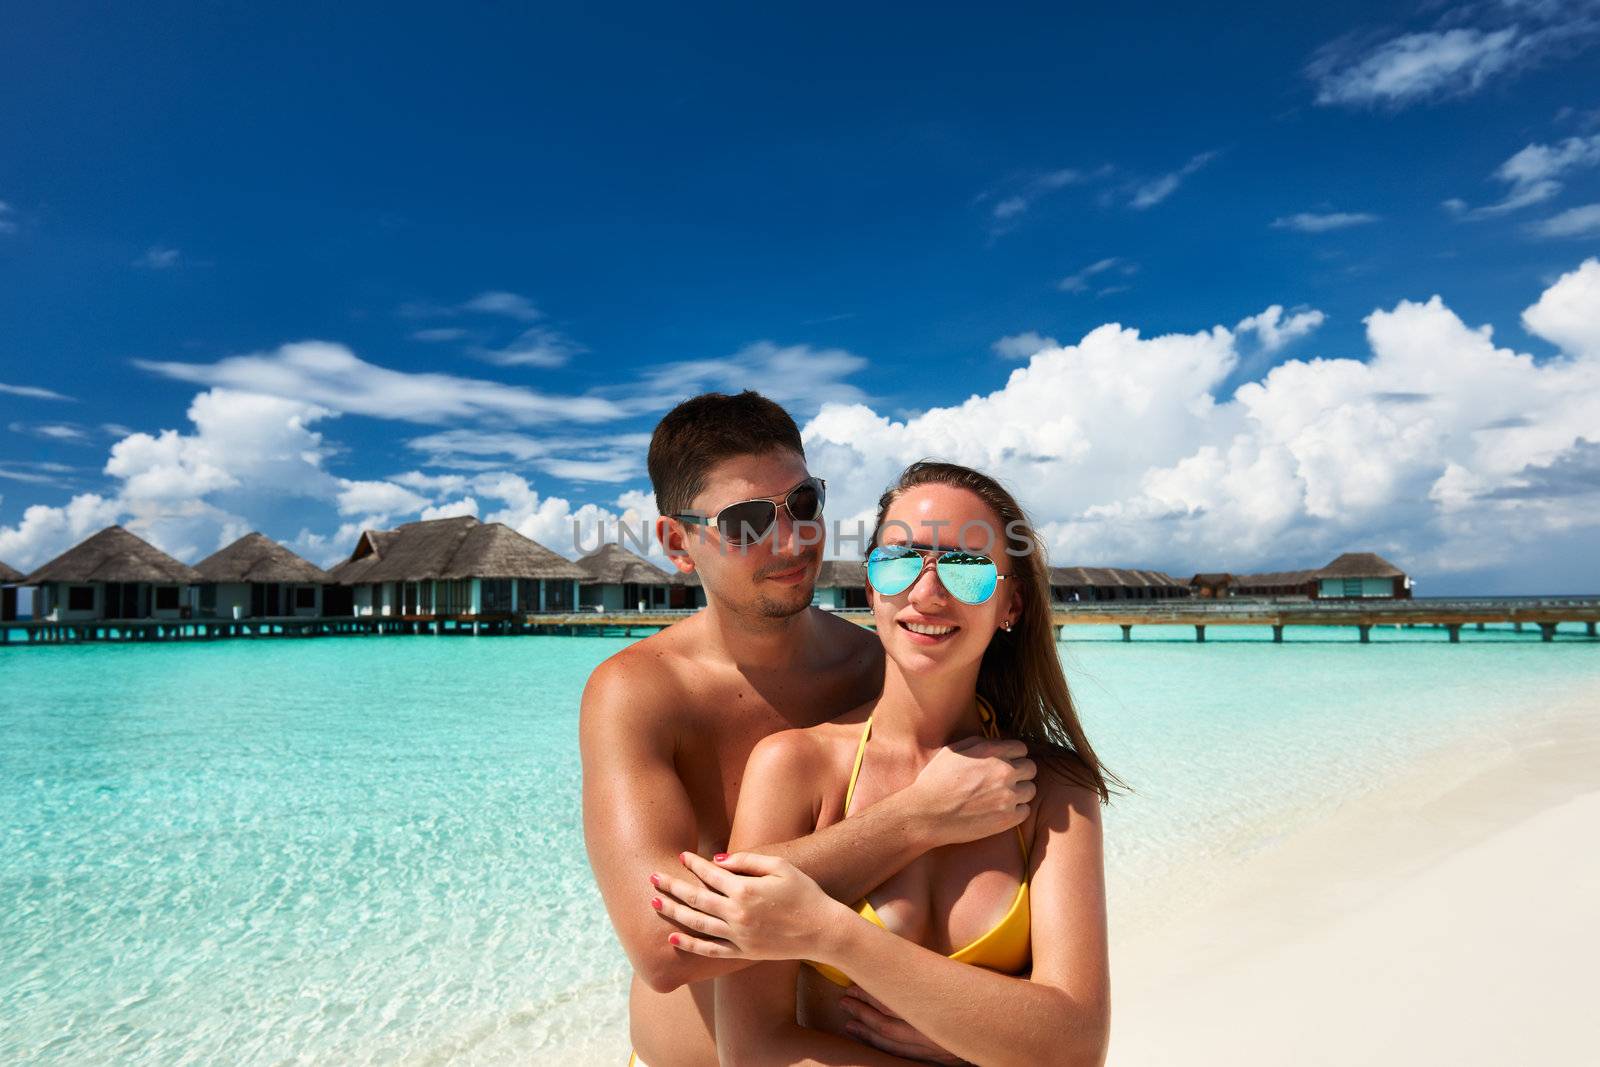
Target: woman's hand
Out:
[747,906]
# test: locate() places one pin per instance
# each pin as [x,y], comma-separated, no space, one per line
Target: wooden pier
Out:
[1579,615]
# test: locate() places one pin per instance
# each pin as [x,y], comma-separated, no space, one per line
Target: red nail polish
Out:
[655,880]
[672,939]
[720,856]
[655,902]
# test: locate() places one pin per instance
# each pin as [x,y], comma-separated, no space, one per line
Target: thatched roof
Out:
[9,574]
[1211,578]
[256,557]
[614,565]
[1275,578]
[442,549]
[841,574]
[1360,565]
[369,550]
[1105,577]
[113,555]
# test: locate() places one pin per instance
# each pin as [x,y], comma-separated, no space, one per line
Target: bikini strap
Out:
[991,730]
[855,771]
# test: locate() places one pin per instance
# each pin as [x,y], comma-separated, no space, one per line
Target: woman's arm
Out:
[755,1007]
[1061,1014]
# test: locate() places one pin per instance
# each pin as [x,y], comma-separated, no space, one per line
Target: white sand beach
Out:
[1451,918]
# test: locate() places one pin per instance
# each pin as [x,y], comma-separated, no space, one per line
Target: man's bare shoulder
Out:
[639,681]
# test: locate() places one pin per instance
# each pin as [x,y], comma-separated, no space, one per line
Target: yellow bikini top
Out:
[1006,946]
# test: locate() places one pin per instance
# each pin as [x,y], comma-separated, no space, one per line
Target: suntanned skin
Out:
[668,724]
[913,1002]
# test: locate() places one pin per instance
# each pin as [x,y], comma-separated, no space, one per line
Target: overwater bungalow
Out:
[1362,574]
[1211,585]
[618,579]
[841,584]
[256,577]
[1076,584]
[111,575]
[9,576]
[456,567]
[1275,584]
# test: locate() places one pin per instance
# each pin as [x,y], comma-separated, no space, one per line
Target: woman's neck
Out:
[928,711]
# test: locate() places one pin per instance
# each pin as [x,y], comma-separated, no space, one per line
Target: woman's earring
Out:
[1006,626]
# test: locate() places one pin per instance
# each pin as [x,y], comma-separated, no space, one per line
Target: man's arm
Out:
[967,792]
[637,817]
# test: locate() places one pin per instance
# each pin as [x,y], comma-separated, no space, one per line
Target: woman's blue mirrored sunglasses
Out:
[970,577]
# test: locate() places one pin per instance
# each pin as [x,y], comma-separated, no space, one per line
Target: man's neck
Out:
[758,642]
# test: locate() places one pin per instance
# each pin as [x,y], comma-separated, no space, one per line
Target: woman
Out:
[988,952]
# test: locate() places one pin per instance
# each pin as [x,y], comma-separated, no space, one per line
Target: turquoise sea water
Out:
[367,850]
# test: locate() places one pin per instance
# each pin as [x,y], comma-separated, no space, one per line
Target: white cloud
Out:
[1079,281]
[440,333]
[537,346]
[52,431]
[1023,345]
[797,376]
[499,302]
[32,391]
[1006,210]
[1568,313]
[157,258]
[46,531]
[1402,452]
[331,376]
[1574,222]
[178,489]
[1321,222]
[1535,175]
[7,223]
[1414,66]
[1009,207]
[551,520]
[378,498]
[1471,45]
[451,509]
[31,477]
[596,458]
[435,484]
[1274,331]
[1153,192]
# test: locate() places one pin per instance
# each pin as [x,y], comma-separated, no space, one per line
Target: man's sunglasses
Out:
[970,577]
[748,521]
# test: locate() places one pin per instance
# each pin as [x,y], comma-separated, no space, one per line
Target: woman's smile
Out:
[924,631]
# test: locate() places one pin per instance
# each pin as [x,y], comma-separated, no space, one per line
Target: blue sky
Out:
[576,218]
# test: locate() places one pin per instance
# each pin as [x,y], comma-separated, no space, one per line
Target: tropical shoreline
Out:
[1389,931]
[1338,880]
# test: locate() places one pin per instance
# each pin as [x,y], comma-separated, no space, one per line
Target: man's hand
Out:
[873,1024]
[974,789]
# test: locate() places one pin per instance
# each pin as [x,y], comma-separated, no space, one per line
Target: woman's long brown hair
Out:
[1021,674]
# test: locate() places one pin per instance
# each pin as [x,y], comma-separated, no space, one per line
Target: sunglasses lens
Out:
[748,522]
[805,503]
[891,570]
[970,578]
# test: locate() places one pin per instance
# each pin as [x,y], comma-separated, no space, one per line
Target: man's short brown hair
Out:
[707,429]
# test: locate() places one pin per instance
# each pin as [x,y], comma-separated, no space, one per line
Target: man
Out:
[668,722]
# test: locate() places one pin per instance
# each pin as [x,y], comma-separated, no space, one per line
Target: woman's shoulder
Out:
[1063,775]
[806,749]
